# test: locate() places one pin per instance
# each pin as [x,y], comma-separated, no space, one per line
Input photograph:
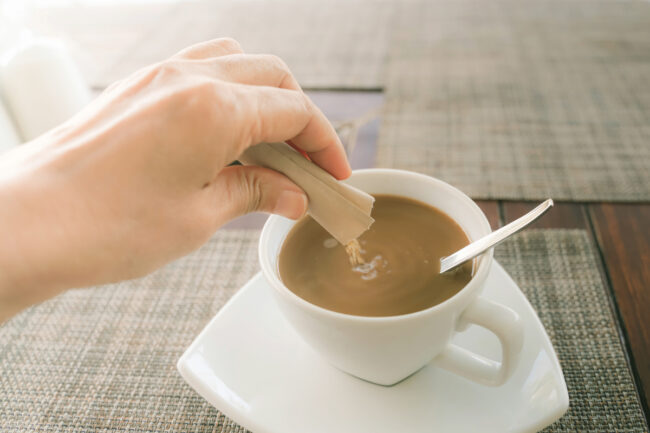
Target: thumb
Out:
[238,190]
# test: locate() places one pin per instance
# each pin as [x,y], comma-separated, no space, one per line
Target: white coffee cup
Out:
[386,350]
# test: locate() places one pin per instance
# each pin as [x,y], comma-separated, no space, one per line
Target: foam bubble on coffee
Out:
[370,270]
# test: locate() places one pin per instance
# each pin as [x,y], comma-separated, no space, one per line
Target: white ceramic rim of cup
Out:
[273,275]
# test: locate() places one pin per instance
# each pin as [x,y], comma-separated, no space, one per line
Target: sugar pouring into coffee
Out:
[353,249]
[367,270]
[392,268]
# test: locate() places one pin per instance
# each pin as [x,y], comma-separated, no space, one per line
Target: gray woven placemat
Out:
[334,44]
[557,271]
[522,99]
[103,359]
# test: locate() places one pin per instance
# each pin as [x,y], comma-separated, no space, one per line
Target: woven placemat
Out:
[558,272]
[334,44]
[103,359]
[522,99]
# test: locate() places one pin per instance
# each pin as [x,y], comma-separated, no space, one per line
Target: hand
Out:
[139,177]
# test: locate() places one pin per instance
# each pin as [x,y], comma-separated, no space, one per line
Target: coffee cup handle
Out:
[505,324]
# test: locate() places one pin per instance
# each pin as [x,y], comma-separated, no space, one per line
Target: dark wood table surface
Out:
[620,231]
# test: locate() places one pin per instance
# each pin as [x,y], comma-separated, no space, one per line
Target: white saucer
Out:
[250,364]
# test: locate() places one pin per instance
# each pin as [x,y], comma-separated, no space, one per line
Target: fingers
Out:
[272,114]
[323,146]
[305,126]
[238,190]
[213,48]
[223,59]
[318,138]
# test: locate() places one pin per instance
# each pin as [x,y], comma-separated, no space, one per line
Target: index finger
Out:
[288,115]
[323,146]
[318,139]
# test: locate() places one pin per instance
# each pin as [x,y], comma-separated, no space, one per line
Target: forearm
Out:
[17,288]
[15,293]
[28,253]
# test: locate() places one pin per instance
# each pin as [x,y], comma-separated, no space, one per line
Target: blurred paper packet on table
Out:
[8,135]
[41,85]
[10,34]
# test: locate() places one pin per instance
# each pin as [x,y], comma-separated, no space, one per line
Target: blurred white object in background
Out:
[8,134]
[11,33]
[42,87]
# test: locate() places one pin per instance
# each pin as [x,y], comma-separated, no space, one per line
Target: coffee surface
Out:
[401,251]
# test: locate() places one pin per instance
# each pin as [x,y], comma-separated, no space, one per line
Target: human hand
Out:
[139,177]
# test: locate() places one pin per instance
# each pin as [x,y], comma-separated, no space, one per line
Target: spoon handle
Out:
[496,237]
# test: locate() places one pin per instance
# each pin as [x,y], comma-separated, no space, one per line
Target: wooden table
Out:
[621,233]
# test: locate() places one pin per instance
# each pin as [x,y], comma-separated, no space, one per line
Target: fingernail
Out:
[291,204]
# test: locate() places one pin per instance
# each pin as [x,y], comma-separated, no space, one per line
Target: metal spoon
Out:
[475,248]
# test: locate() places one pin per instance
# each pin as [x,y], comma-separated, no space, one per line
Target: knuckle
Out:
[228,45]
[171,67]
[256,125]
[167,69]
[276,62]
[154,75]
[116,85]
[148,74]
[205,95]
[223,112]
[198,98]
[305,108]
[226,105]
[307,104]
[253,190]
[243,113]
[279,66]
[230,64]
[193,108]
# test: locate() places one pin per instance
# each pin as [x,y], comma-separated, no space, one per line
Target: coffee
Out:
[401,253]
